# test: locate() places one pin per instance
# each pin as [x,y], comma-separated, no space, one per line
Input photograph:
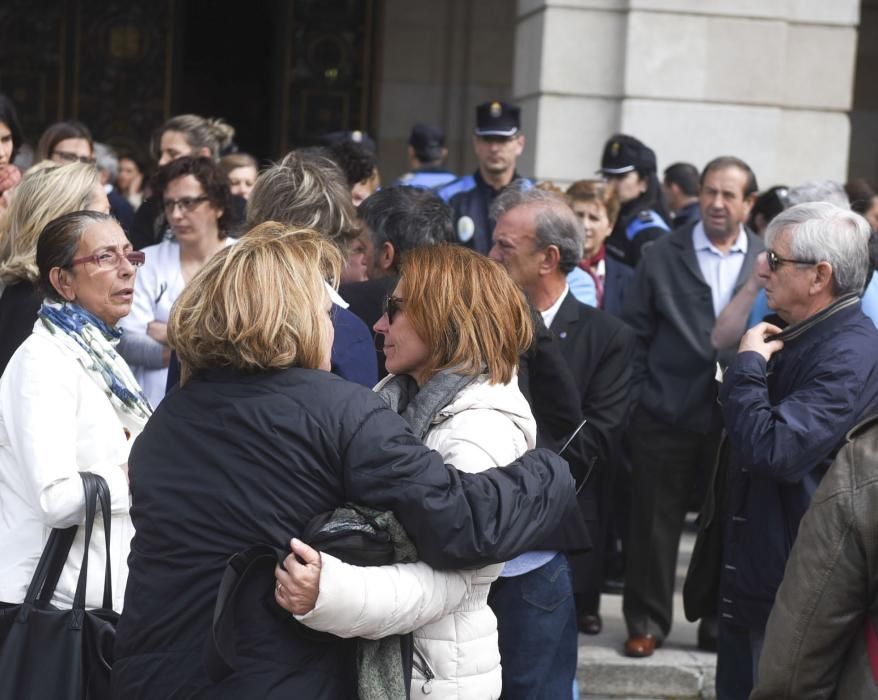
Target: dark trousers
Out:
[668,465]
[737,661]
[536,626]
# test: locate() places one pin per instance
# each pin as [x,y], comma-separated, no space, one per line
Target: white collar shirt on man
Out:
[550,313]
[720,270]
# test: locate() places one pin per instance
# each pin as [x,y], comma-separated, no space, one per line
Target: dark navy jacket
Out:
[635,228]
[786,420]
[687,215]
[470,196]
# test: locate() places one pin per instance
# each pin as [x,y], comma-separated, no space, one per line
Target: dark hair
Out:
[768,205]
[684,176]
[9,116]
[58,132]
[724,162]
[355,162]
[58,243]
[209,175]
[860,193]
[407,217]
[135,158]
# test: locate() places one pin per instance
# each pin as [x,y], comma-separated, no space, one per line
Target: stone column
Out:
[767,80]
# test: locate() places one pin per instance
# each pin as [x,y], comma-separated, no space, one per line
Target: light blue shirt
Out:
[582,287]
[720,270]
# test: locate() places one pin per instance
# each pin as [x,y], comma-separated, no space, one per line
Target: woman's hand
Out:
[157,330]
[298,585]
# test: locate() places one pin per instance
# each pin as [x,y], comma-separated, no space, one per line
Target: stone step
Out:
[677,671]
[669,673]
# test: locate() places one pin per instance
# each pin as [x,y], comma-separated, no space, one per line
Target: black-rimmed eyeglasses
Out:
[68,157]
[185,203]
[775,261]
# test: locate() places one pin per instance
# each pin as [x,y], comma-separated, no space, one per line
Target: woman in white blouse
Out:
[195,198]
[69,403]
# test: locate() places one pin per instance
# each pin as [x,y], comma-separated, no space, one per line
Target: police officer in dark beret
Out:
[426,154]
[498,142]
[629,166]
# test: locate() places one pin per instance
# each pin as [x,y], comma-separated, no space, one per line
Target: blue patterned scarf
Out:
[92,342]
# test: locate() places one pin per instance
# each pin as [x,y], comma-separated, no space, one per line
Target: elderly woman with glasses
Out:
[195,197]
[453,329]
[69,403]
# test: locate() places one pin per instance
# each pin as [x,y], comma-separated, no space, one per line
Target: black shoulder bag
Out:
[61,654]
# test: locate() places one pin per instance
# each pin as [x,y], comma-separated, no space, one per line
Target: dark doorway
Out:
[228,63]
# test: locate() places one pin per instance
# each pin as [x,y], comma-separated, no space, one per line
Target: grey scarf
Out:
[420,408]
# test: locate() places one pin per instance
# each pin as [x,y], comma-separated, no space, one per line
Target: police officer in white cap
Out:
[498,142]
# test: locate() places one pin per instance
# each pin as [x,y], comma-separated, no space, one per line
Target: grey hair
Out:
[555,221]
[821,231]
[106,161]
[819,191]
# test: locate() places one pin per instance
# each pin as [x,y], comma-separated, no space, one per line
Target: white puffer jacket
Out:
[455,632]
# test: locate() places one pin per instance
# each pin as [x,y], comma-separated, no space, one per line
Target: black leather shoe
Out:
[590,624]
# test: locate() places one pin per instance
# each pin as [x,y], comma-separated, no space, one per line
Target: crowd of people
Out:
[522,388]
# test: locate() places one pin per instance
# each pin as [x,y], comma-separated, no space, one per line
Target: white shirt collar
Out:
[550,313]
[335,297]
[702,242]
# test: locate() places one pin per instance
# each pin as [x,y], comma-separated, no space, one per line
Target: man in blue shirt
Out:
[498,142]
[427,155]
[683,281]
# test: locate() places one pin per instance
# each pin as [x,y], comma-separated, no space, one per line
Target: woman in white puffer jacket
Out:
[454,328]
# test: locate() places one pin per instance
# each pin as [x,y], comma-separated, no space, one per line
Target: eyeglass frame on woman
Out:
[69,157]
[185,203]
[775,261]
[136,258]
[391,306]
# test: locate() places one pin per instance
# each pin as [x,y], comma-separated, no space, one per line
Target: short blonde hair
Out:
[258,304]
[46,192]
[467,309]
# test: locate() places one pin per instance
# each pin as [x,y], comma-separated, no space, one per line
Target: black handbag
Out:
[46,652]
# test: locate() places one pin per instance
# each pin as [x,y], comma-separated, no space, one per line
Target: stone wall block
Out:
[819,67]
[705,58]
[584,52]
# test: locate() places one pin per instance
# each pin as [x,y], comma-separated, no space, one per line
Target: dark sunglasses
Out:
[775,261]
[390,306]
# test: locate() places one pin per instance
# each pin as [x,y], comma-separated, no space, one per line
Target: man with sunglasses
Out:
[789,398]
[683,282]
